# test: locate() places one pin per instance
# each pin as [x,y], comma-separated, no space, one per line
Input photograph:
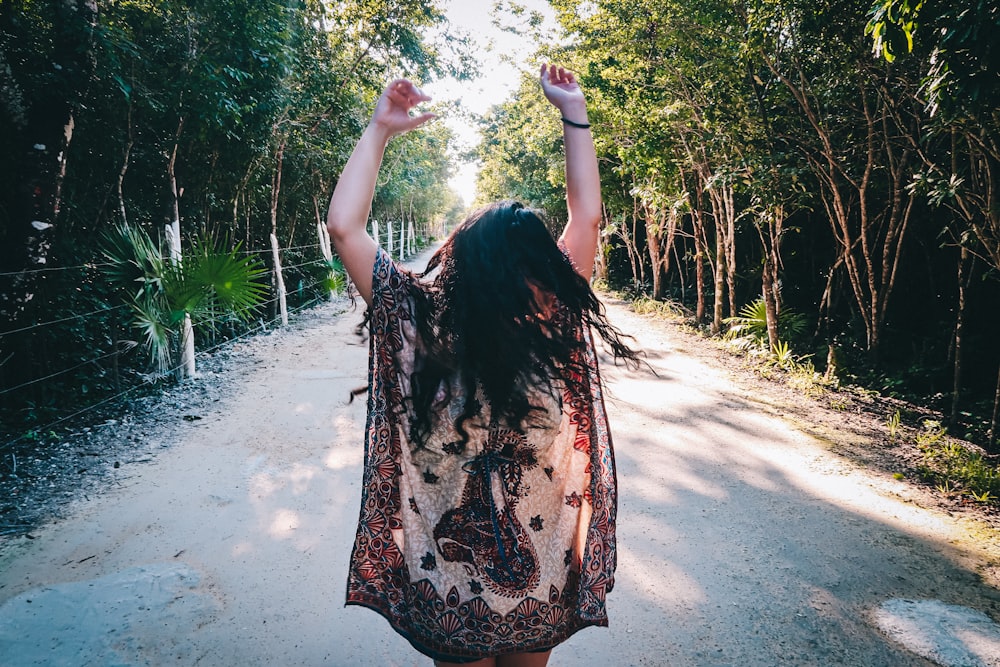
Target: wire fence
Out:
[61,320]
[262,325]
[315,287]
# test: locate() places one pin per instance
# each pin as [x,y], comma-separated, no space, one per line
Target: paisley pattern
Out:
[485,534]
[503,545]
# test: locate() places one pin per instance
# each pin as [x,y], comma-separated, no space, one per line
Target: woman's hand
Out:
[392,112]
[562,90]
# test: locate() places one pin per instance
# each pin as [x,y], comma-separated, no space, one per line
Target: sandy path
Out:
[742,541]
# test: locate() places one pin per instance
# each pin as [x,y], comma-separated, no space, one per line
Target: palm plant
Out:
[334,280]
[207,285]
[749,329]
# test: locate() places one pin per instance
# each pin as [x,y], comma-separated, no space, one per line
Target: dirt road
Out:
[742,541]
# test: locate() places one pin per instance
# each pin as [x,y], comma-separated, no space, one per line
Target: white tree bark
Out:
[187,367]
[324,246]
[375,231]
[389,225]
[402,239]
[280,280]
[322,233]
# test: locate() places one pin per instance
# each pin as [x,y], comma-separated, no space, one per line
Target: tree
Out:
[226,119]
[960,147]
[165,292]
[862,158]
[47,62]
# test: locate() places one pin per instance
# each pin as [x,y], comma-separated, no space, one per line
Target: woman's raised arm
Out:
[583,182]
[347,219]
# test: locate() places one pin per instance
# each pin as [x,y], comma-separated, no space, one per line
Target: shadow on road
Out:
[741,541]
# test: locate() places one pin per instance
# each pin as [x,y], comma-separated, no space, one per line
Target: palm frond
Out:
[227,282]
[134,260]
[157,335]
[749,328]
[335,281]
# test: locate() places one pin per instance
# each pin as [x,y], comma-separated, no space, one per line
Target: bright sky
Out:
[500,76]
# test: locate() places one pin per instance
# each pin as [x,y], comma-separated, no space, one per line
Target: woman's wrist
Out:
[378,133]
[575,114]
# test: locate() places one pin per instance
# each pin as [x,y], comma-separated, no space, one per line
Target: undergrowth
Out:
[645,305]
[955,469]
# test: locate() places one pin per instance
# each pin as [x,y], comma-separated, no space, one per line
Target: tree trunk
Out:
[601,265]
[720,278]
[964,272]
[323,235]
[729,208]
[770,303]
[279,279]
[410,235]
[124,169]
[700,241]
[632,245]
[996,415]
[186,369]
[680,272]
[769,229]
[659,240]
[700,251]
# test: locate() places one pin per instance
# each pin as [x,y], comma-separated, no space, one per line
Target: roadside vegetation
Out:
[164,179]
[815,183]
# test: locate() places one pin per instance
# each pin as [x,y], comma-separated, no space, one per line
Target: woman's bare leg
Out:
[485,662]
[512,660]
[524,659]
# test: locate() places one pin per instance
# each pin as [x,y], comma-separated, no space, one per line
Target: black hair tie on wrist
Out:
[582,126]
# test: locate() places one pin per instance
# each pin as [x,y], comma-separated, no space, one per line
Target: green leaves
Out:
[207,284]
[749,328]
[892,26]
[223,283]
[134,260]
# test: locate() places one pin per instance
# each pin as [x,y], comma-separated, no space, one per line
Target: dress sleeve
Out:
[392,303]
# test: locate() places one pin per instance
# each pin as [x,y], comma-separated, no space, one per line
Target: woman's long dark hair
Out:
[479,321]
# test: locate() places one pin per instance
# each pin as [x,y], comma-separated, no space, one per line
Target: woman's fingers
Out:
[393,112]
[398,98]
[421,119]
[405,94]
[557,76]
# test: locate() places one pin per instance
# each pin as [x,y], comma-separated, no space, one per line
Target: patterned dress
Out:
[503,544]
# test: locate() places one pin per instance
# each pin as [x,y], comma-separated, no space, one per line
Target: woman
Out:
[486,533]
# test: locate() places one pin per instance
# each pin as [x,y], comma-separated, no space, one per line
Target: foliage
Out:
[749,328]
[892,423]
[520,154]
[761,149]
[955,468]
[230,117]
[746,150]
[206,285]
[957,41]
[647,306]
[336,278]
